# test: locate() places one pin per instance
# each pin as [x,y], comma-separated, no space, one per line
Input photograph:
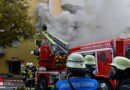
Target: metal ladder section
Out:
[56,44]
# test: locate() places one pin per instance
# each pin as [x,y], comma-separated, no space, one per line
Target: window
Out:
[88,53]
[15,44]
[14,67]
[2,51]
[102,56]
[127,52]
[39,42]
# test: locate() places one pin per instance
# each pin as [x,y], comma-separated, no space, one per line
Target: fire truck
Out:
[104,52]
[52,60]
[54,52]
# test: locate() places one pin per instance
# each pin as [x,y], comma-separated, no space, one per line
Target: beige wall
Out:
[24,48]
[31,10]
[22,52]
[56,7]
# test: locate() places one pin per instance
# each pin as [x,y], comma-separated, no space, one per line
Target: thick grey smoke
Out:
[97,20]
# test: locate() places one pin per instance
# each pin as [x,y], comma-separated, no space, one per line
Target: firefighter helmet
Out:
[31,64]
[90,60]
[27,64]
[121,63]
[32,52]
[75,60]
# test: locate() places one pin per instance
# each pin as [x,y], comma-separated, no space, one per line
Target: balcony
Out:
[80,3]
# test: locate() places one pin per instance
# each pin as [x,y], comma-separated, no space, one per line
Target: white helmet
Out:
[75,60]
[31,64]
[121,63]
[27,64]
[32,52]
[90,60]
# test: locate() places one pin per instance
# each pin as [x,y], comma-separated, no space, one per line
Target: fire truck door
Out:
[104,58]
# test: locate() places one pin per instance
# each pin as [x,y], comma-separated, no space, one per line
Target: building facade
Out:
[15,58]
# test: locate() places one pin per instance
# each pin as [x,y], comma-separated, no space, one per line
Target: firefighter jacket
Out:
[27,73]
[123,85]
[80,83]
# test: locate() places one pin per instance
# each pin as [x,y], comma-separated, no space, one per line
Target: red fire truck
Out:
[52,60]
[104,51]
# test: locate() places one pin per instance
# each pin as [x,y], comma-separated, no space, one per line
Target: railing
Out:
[73,2]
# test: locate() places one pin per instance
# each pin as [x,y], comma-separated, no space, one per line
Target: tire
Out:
[106,83]
[42,84]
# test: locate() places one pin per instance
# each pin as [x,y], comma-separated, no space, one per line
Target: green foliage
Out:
[15,22]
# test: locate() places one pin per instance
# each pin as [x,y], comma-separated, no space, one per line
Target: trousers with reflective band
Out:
[78,84]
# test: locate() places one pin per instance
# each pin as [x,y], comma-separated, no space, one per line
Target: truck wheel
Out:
[105,83]
[42,84]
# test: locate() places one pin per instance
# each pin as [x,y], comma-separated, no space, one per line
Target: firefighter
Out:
[90,63]
[44,27]
[120,71]
[37,51]
[31,71]
[27,64]
[24,72]
[76,75]
[29,76]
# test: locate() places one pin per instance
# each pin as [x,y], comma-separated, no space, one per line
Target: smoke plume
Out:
[97,20]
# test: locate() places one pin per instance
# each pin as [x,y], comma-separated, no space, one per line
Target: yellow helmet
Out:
[121,63]
[75,60]
[90,60]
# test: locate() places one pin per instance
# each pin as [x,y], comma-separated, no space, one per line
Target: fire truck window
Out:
[39,42]
[127,52]
[88,53]
[102,56]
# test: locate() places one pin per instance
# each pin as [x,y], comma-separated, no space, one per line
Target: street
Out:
[11,84]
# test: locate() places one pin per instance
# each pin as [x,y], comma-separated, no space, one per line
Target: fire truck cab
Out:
[104,52]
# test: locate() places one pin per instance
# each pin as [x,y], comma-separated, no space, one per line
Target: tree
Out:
[14,22]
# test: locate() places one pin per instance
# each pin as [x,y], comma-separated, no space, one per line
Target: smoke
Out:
[97,20]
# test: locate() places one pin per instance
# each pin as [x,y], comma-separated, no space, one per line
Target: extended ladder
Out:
[56,44]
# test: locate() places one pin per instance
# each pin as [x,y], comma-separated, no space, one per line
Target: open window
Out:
[14,66]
